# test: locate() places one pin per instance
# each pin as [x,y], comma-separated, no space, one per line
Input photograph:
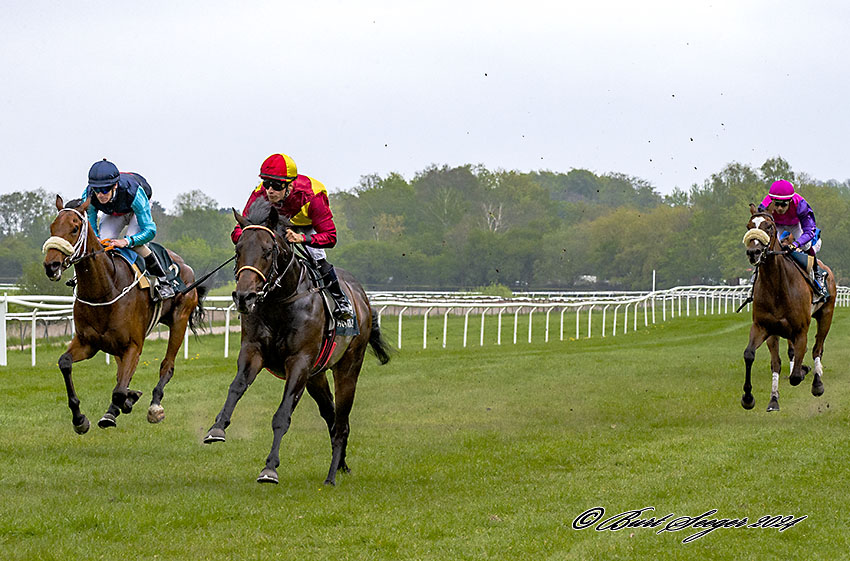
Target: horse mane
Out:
[74,203]
[260,213]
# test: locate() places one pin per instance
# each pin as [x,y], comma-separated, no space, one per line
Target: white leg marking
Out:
[818,367]
[774,388]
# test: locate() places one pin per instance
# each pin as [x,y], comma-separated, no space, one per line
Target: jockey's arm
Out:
[323,223]
[807,224]
[147,229]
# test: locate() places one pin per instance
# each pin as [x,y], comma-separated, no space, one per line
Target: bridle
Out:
[766,239]
[76,252]
[272,280]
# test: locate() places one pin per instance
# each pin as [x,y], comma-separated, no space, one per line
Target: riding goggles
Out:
[275,184]
[780,202]
[102,190]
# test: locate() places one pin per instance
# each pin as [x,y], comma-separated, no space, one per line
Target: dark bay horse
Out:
[782,307]
[112,314]
[283,321]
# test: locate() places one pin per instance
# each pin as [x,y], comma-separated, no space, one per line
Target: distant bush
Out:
[494,289]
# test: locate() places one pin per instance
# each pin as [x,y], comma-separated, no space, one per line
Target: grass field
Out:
[477,453]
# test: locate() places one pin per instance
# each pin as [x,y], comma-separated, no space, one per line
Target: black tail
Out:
[199,313]
[380,347]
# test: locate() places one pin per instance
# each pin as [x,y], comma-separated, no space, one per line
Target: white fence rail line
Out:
[677,302]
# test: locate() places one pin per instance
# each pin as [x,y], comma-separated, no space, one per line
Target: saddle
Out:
[333,327]
[172,270]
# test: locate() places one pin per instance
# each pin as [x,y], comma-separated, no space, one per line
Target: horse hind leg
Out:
[176,333]
[345,383]
[320,391]
[824,320]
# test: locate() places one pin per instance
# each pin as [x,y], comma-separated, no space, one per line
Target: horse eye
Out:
[75,230]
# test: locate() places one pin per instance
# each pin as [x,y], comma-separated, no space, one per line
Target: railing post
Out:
[4,307]
[499,329]
[445,325]
[32,335]
[530,315]
[401,313]
[425,329]
[481,341]
[227,330]
[466,325]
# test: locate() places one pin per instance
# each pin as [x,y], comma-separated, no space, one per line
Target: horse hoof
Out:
[748,401]
[156,413]
[795,380]
[817,386]
[83,427]
[268,475]
[215,435]
[773,405]
[330,483]
[107,421]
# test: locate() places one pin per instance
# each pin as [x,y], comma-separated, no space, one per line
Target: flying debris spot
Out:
[650,159]
[692,139]
[385,145]
[672,95]
[695,167]
[485,74]
[497,270]
[404,255]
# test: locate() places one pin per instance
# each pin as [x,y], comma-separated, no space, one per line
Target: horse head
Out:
[262,255]
[68,236]
[760,236]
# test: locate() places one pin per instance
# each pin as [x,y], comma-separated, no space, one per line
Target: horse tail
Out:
[380,347]
[196,318]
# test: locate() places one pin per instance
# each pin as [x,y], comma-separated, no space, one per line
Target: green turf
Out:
[476,453]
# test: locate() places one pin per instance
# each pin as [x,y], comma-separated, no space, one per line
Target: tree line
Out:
[469,227]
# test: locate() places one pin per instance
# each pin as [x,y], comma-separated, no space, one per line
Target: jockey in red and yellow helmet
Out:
[304,201]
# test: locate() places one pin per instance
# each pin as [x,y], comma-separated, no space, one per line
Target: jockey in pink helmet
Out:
[792,214]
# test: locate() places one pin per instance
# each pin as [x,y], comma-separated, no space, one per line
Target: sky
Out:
[195,95]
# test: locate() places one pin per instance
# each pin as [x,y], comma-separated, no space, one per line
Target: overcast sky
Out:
[194,95]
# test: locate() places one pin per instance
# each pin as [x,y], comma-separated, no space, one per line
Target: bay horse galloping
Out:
[284,329]
[112,313]
[782,307]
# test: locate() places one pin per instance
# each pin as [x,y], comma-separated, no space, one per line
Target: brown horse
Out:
[782,307]
[111,312]
[283,322]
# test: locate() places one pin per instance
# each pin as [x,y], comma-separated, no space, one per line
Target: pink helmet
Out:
[781,190]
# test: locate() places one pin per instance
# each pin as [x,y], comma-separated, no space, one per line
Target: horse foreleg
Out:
[248,366]
[757,336]
[345,381]
[176,333]
[297,372]
[799,371]
[75,353]
[775,367]
[123,398]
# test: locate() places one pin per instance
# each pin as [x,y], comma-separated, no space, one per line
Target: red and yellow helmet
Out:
[280,167]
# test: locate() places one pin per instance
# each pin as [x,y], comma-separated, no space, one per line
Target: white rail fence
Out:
[602,313]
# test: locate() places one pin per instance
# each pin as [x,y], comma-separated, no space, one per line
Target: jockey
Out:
[792,214]
[124,199]
[304,201]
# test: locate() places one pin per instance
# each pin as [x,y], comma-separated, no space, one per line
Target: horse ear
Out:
[84,207]
[241,220]
[60,204]
[274,217]
[753,208]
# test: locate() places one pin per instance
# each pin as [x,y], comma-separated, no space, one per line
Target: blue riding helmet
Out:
[103,174]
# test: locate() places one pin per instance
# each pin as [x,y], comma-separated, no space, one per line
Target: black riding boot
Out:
[820,281]
[343,311]
[163,289]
